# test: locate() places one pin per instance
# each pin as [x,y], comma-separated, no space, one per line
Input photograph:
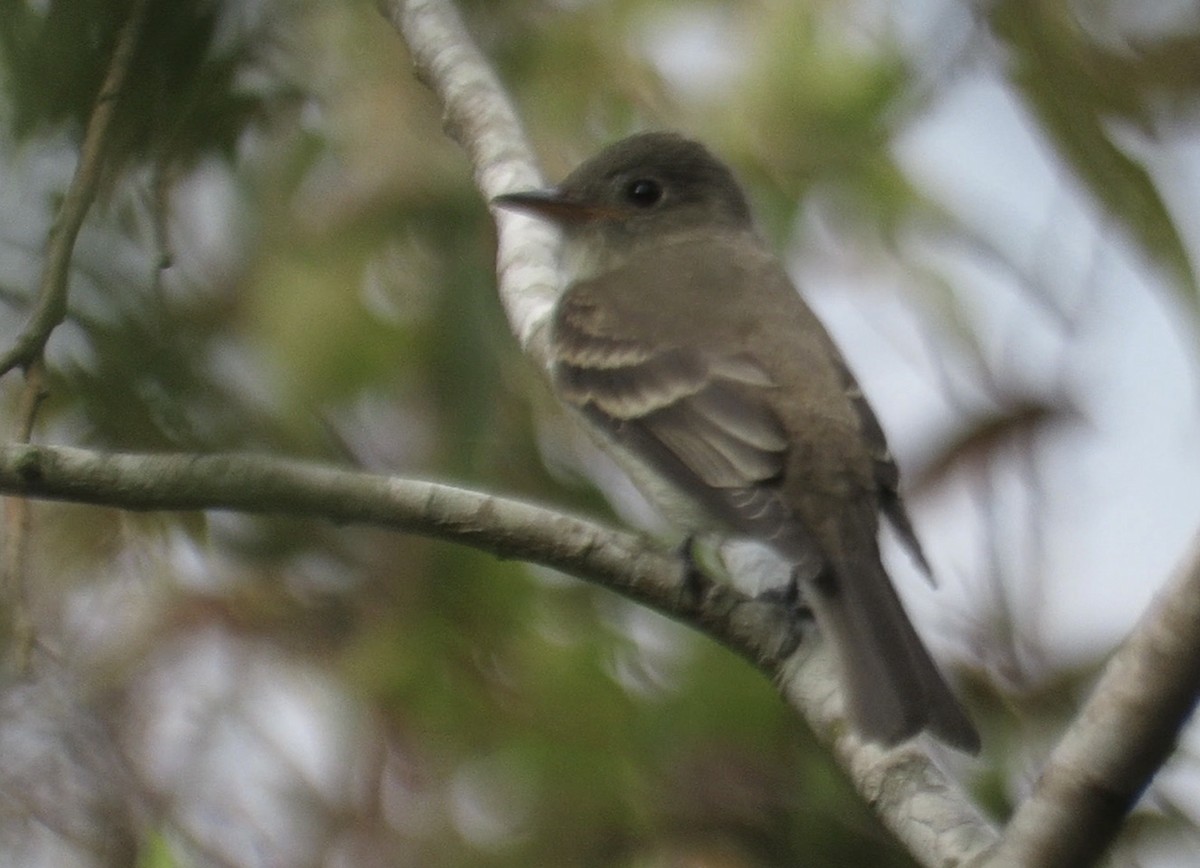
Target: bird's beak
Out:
[553,206]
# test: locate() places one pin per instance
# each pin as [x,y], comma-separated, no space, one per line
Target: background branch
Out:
[17,521]
[50,310]
[51,306]
[1125,732]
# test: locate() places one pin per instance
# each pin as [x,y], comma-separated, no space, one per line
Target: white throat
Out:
[588,255]
[585,256]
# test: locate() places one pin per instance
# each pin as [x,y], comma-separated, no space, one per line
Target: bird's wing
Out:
[887,474]
[703,421]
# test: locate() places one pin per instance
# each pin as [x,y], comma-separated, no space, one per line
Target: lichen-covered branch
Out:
[508,528]
[478,115]
[924,809]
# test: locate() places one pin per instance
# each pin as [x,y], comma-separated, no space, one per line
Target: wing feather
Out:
[703,420]
[887,474]
[632,391]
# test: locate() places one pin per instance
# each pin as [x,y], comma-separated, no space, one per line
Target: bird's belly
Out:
[683,512]
[749,565]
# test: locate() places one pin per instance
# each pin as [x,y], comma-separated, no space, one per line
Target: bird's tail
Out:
[894,689]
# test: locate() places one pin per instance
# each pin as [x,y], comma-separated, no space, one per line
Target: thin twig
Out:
[17,521]
[51,306]
[51,309]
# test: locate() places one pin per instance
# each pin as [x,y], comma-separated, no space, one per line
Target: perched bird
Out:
[683,344]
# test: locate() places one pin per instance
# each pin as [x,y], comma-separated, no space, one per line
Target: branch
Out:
[27,349]
[926,811]
[52,289]
[18,522]
[478,115]
[504,527]
[1123,735]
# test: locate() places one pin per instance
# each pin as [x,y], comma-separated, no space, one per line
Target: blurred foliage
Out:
[1079,87]
[290,259]
[191,89]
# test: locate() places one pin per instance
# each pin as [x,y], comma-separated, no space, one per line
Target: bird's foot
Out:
[695,582]
[797,615]
[789,598]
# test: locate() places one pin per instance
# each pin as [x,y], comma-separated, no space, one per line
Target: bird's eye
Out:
[644,192]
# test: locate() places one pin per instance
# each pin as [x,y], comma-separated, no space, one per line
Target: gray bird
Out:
[683,344]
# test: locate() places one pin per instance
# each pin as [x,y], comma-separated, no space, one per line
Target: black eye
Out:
[644,192]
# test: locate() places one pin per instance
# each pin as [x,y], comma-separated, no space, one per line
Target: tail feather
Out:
[893,686]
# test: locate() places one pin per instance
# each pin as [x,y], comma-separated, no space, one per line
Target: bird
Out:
[682,344]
